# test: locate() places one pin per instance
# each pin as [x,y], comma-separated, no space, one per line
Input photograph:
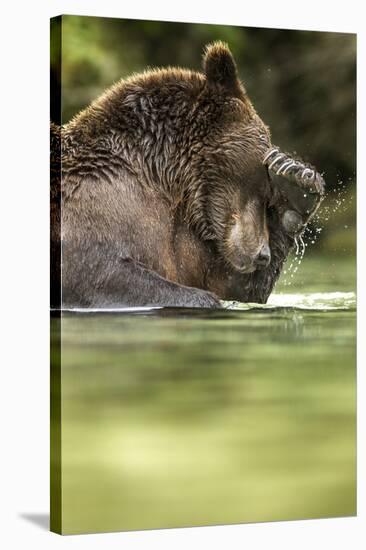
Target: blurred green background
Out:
[179,418]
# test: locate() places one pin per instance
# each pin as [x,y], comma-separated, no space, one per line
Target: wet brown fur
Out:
[154,174]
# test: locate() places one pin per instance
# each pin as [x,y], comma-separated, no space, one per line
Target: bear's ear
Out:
[220,68]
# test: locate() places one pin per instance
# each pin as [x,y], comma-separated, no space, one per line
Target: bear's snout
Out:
[264,257]
[247,248]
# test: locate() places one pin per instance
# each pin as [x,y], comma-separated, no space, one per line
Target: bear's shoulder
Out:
[141,93]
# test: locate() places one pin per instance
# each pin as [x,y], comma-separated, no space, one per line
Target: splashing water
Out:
[296,260]
[316,301]
[337,202]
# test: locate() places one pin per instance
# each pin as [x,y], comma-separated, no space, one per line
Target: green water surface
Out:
[176,418]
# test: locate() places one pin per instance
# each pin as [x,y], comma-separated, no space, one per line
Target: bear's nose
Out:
[264,256]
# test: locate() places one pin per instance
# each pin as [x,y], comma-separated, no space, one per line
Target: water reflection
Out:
[178,417]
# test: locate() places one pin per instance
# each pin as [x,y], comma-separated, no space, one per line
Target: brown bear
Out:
[171,194]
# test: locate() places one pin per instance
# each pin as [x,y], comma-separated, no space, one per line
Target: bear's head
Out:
[197,140]
[232,188]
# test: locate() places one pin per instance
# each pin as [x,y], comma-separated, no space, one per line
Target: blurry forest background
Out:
[302,83]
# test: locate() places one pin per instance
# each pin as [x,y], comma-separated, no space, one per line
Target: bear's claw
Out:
[304,175]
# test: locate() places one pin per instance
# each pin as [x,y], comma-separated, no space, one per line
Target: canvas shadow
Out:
[41,520]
